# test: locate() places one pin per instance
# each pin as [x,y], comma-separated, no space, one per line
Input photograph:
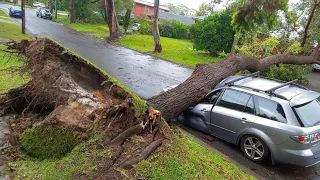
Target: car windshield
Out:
[309,113]
[45,10]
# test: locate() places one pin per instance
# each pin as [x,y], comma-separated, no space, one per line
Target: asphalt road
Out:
[146,76]
[143,74]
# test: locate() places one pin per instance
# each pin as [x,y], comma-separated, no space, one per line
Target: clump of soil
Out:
[68,100]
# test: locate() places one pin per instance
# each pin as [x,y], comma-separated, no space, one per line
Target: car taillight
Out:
[307,139]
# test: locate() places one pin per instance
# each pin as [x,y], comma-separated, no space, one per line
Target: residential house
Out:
[144,8]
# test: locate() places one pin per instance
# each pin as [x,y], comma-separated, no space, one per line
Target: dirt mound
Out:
[67,91]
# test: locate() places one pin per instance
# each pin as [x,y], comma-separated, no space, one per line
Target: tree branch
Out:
[316,3]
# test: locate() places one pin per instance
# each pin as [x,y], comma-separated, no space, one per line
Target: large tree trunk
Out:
[72,14]
[206,76]
[305,35]
[112,20]
[155,28]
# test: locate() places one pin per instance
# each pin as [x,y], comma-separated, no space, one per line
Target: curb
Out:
[206,145]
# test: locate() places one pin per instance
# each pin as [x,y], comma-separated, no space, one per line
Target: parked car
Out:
[44,13]
[316,67]
[38,4]
[15,12]
[265,117]
[136,27]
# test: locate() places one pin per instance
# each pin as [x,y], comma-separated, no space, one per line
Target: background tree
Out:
[51,6]
[112,20]
[72,13]
[155,28]
[215,33]
[207,9]
[253,15]
[312,12]
[180,9]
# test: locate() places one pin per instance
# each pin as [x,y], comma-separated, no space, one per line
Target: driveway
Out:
[143,74]
[146,76]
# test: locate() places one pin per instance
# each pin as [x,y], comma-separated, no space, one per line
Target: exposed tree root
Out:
[144,155]
[66,91]
[137,129]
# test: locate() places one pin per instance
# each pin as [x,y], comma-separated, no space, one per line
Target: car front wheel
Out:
[254,148]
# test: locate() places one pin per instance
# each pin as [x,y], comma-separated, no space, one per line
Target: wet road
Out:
[146,76]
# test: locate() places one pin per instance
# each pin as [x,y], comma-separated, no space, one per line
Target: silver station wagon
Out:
[265,117]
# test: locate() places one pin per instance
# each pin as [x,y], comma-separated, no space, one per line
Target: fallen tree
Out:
[206,76]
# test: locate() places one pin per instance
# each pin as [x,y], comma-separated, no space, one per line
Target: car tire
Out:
[254,148]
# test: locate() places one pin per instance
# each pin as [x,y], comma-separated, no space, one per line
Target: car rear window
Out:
[309,113]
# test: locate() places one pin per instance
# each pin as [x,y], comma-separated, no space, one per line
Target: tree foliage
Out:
[207,9]
[180,9]
[271,46]
[214,33]
[253,13]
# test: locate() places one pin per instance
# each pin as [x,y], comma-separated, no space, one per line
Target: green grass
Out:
[9,78]
[82,27]
[2,13]
[101,35]
[177,50]
[183,158]
[11,31]
[81,160]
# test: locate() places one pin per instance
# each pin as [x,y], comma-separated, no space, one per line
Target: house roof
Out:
[150,4]
[165,15]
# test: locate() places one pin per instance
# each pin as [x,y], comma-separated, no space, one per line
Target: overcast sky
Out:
[194,4]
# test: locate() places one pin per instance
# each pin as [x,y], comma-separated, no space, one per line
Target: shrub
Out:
[145,28]
[288,72]
[215,33]
[173,29]
[141,19]
[48,142]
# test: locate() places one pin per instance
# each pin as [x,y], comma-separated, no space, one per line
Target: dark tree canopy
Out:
[214,33]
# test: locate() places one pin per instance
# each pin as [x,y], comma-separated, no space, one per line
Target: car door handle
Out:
[204,110]
[245,120]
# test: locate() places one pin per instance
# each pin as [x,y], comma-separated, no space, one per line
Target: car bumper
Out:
[302,158]
[16,15]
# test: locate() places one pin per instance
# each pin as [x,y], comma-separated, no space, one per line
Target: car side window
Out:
[269,109]
[234,100]
[250,106]
[213,97]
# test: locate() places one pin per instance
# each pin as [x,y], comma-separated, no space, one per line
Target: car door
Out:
[232,115]
[198,116]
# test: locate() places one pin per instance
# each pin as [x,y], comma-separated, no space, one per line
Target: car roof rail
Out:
[230,83]
[272,90]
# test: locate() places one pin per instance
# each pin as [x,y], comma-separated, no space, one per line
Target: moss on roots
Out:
[48,142]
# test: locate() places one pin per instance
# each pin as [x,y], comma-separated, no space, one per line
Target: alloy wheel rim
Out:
[253,148]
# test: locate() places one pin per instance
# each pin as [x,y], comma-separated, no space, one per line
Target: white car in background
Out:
[316,67]
[39,5]
[136,27]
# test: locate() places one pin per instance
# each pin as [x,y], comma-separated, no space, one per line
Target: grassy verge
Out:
[2,13]
[80,161]
[9,76]
[11,31]
[183,158]
[176,50]
[82,27]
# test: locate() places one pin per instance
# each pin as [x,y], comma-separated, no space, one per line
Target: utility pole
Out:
[56,15]
[23,10]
